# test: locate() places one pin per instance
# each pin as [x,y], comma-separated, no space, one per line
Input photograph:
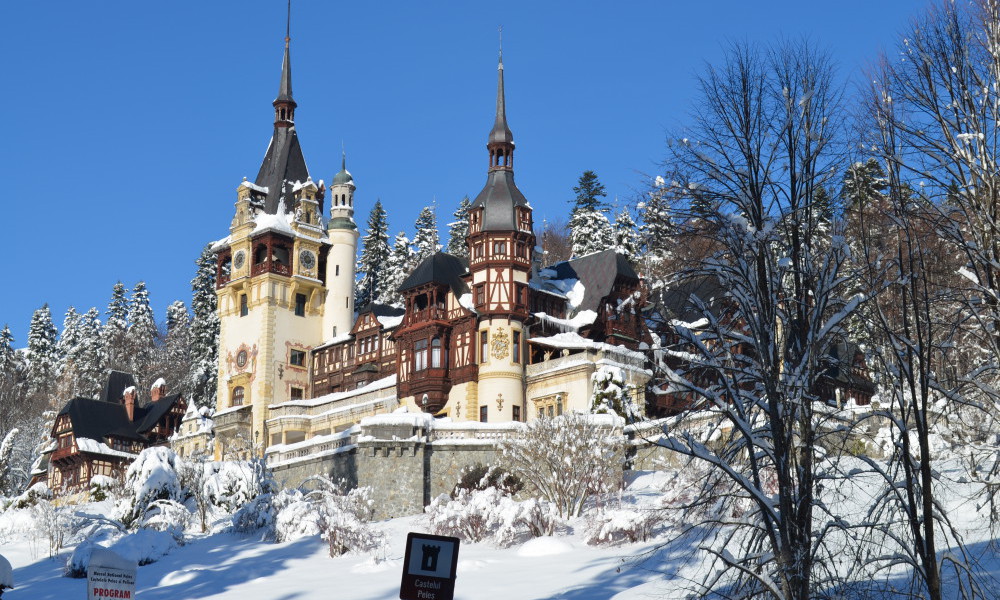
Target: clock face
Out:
[239,259]
[241,359]
[307,259]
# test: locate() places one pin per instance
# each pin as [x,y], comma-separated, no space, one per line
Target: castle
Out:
[492,338]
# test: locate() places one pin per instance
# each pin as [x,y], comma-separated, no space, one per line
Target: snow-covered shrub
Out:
[231,484]
[339,517]
[144,547]
[490,514]
[612,395]
[622,525]
[481,477]
[167,516]
[567,459]
[101,486]
[32,495]
[152,476]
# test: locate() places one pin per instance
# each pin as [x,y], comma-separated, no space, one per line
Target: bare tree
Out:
[763,145]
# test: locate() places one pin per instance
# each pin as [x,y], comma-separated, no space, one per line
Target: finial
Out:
[288,24]
[501,46]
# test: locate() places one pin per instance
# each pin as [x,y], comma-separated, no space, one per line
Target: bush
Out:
[621,525]
[480,477]
[152,476]
[232,484]
[567,459]
[102,486]
[31,496]
[479,515]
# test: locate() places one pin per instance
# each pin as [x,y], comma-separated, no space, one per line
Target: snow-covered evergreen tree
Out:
[140,338]
[115,328]
[864,183]
[590,231]
[613,395]
[7,355]
[589,190]
[425,240]
[175,356]
[81,355]
[626,236]
[374,256]
[202,379]
[458,230]
[43,353]
[397,268]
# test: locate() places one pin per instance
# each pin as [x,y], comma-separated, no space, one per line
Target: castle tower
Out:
[271,286]
[342,233]
[501,240]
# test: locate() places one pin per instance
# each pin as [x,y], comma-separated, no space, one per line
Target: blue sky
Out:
[130,124]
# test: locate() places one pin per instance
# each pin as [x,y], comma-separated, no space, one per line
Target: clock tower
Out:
[274,270]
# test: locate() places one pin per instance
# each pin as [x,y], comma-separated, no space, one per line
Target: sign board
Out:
[109,576]
[429,567]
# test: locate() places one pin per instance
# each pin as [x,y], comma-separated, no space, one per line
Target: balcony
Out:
[271,267]
[233,417]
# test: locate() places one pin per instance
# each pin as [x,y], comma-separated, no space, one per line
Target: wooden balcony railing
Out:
[270,267]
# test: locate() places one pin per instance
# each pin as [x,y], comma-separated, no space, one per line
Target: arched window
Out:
[259,254]
[238,396]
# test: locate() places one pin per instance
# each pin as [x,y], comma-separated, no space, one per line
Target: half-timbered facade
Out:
[103,436]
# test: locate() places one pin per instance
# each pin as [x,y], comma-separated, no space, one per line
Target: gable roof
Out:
[597,272]
[682,301]
[439,267]
[116,385]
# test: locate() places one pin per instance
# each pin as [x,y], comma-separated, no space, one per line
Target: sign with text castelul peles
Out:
[429,567]
[109,576]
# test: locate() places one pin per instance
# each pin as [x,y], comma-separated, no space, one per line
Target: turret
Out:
[342,233]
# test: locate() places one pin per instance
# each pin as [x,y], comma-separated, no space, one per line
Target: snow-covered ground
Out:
[245,567]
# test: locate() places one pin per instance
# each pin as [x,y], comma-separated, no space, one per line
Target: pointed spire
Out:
[284,104]
[501,140]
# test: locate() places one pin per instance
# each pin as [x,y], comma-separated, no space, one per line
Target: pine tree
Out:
[626,236]
[374,256]
[589,191]
[864,183]
[397,268]
[7,355]
[43,354]
[657,225]
[458,230]
[114,330]
[425,241]
[175,360]
[88,355]
[203,376]
[140,338]
[590,231]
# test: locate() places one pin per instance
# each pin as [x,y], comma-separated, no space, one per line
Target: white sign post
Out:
[110,576]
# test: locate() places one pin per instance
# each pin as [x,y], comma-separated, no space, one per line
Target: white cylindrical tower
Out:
[342,232]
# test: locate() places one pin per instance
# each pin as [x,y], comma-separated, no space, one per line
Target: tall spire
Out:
[284,104]
[501,140]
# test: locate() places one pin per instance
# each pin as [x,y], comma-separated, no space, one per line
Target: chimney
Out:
[128,399]
[158,391]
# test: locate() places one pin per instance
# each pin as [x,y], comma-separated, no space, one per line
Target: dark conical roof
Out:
[439,267]
[283,164]
[498,199]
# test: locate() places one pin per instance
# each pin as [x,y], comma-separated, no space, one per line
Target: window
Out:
[244,308]
[516,412]
[300,305]
[296,393]
[482,413]
[436,353]
[516,349]
[479,250]
[520,250]
[481,293]
[336,269]
[420,355]
[484,346]
[297,358]
[500,248]
[237,396]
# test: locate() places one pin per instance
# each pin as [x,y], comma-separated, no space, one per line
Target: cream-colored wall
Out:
[501,380]
[338,313]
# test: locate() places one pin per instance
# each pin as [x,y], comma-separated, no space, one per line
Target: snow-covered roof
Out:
[378,384]
[95,447]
